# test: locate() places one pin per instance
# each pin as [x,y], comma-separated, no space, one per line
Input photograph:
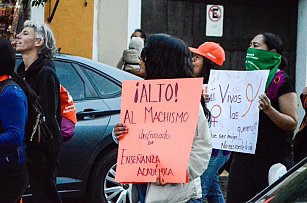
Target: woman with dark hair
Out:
[13,115]
[167,57]
[277,120]
[209,56]
[139,33]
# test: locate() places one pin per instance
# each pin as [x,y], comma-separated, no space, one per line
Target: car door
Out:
[93,118]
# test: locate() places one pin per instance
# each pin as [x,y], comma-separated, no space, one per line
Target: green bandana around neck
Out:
[257,59]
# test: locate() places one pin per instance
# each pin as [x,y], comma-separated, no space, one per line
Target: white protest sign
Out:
[234,108]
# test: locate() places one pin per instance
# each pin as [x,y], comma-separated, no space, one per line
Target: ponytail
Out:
[284,63]
[206,110]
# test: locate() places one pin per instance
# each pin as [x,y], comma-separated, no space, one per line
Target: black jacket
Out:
[41,76]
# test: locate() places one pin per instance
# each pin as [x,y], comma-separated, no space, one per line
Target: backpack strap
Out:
[6,83]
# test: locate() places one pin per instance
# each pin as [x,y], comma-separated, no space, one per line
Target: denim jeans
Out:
[141,188]
[211,188]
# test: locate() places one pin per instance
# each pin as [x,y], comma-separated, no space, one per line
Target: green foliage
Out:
[34,2]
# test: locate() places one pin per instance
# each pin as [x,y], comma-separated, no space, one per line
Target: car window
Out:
[18,62]
[106,87]
[71,80]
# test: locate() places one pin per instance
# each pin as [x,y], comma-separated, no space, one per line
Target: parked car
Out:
[88,163]
[289,188]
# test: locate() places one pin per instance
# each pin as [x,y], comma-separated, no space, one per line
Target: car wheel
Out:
[103,187]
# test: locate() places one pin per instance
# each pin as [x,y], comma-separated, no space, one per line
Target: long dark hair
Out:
[143,34]
[7,64]
[207,67]
[273,41]
[168,57]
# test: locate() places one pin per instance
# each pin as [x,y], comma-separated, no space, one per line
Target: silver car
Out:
[88,163]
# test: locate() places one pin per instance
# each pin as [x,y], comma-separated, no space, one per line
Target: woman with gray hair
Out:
[37,45]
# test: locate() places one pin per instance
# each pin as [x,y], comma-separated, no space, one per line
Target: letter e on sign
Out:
[214,22]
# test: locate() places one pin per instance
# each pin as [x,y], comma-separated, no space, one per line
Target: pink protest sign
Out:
[161,116]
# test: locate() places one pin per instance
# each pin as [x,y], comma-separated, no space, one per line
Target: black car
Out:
[289,188]
[88,162]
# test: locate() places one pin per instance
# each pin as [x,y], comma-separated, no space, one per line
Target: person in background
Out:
[300,139]
[37,45]
[208,56]
[131,57]
[13,115]
[277,120]
[139,33]
[167,57]
[136,33]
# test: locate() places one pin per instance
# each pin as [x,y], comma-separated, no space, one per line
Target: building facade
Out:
[100,29]
[96,29]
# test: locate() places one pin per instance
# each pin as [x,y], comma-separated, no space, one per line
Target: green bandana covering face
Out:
[257,59]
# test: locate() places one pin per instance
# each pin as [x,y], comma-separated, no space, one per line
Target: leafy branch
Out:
[34,2]
[38,2]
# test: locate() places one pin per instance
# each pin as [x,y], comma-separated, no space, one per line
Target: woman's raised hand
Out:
[264,103]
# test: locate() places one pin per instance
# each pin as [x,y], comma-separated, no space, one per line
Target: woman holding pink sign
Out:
[167,57]
[208,56]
